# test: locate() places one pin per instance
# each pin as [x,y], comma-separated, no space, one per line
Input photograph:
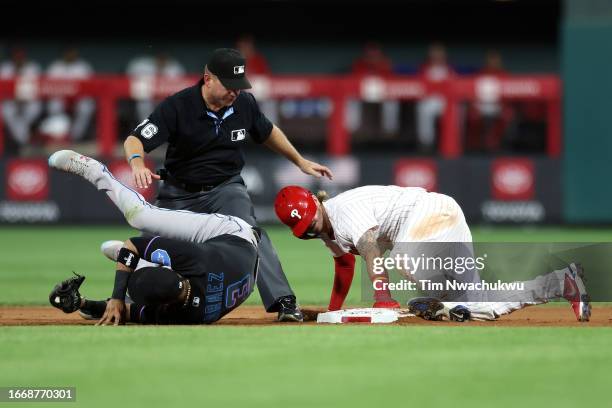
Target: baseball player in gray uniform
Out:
[213,259]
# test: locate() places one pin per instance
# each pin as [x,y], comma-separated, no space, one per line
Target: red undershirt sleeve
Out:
[344,271]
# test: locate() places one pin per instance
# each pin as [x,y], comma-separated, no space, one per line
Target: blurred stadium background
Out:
[501,104]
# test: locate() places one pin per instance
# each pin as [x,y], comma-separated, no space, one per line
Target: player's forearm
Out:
[133,146]
[279,143]
[369,250]
[344,267]
[127,260]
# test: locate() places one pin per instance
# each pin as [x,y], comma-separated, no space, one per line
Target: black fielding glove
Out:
[65,295]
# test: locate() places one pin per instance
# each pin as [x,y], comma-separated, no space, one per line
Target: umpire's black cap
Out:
[230,66]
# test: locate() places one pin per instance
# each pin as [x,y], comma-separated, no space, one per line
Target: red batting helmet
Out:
[295,207]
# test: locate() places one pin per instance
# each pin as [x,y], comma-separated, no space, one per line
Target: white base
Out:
[367,315]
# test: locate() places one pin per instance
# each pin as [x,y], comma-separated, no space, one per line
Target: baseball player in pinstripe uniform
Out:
[370,220]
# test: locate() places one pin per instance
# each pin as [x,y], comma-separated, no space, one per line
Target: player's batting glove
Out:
[66,296]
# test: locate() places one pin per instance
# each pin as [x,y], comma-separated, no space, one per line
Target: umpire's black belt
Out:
[189,187]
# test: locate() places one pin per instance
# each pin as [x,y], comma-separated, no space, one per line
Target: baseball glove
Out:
[65,295]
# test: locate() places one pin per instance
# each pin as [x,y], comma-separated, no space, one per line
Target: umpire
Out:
[205,127]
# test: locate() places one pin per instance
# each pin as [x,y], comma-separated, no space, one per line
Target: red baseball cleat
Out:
[575,292]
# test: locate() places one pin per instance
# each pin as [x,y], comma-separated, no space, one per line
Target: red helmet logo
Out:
[295,207]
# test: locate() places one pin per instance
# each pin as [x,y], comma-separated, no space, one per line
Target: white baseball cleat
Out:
[111,248]
[575,292]
[73,162]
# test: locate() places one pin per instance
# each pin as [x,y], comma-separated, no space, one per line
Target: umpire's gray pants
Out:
[231,198]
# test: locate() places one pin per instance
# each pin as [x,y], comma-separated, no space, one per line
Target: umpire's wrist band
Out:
[135,155]
[121,284]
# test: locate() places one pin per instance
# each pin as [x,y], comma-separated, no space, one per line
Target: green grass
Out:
[36,258]
[40,257]
[313,366]
[293,366]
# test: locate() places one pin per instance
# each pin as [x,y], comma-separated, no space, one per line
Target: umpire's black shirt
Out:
[204,147]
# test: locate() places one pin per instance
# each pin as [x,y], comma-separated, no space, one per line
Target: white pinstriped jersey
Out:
[355,211]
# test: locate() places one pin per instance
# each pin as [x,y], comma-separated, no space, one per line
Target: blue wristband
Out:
[135,155]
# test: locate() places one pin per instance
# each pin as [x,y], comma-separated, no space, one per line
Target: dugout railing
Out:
[109,90]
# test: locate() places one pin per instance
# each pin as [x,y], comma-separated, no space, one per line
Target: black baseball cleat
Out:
[288,310]
[428,308]
[459,313]
[94,309]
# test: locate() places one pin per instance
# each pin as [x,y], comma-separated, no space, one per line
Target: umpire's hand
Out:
[315,169]
[115,310]
[142,177]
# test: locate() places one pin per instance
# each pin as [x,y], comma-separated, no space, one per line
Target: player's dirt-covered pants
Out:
[436,229]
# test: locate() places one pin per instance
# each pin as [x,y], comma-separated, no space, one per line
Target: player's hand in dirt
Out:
[142,177]
[115,310]
[315,169]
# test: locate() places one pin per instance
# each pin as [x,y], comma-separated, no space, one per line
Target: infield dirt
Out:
[551,316]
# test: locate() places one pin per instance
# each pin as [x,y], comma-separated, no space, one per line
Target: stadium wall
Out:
[587,63]
[501,190]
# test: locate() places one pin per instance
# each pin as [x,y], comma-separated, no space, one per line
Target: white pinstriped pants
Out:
[437,218]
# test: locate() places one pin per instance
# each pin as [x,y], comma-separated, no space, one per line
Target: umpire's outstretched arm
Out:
[278,142]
